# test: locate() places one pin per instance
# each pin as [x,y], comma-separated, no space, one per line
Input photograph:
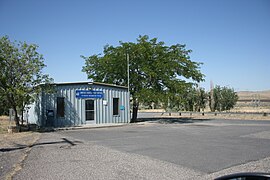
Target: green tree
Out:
[229,98]
[155,69]
[178,98]
[190,99]
[194,99]
[217,98]
[202,97]
[20,74]
[224,98]
[3,105]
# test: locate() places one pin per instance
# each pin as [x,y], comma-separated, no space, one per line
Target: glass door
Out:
[89,110]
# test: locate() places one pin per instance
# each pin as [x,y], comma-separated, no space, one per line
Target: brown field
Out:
[253,101]
[252,95]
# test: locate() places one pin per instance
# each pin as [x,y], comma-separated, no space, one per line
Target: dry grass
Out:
[254,94]
[237,116]
[4,123]
[8,139]
[230,116]
[247,109]
[12,140]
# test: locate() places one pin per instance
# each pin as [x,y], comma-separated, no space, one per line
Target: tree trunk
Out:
[16,118]
[22,117]
[135,111]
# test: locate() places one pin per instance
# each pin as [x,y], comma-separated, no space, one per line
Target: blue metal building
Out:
[80,103]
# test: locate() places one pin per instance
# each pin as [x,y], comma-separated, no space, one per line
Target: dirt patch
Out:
[15,139]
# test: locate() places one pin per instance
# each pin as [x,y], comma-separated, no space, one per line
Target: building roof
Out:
[90,83]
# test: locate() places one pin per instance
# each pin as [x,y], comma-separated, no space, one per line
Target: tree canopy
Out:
[224,98]
[20,73]
[157,72]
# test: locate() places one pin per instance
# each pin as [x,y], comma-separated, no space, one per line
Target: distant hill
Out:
[254,95]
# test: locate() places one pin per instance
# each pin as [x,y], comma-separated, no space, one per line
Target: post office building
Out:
[80,103]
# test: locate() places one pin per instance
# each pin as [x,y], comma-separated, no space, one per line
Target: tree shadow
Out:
[21,146]
[171,120]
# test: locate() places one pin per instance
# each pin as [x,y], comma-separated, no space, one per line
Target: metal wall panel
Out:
[75,107]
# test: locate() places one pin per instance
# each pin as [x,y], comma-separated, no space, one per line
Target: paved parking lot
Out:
[153,150]
[205,146]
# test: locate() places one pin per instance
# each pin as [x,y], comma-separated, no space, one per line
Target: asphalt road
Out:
[151,151]
[8,160]
[207,147]
[13,148]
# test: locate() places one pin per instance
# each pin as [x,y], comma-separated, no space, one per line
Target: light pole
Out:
[128,71]
[128,84]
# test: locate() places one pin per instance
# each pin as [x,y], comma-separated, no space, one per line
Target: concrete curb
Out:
[94,126]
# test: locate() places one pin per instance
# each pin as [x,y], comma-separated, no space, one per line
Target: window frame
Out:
[60,102]
[116,109]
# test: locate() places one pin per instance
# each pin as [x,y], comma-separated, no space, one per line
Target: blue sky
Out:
[231,37]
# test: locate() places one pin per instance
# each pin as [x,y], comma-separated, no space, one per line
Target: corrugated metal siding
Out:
[34,112]
[75,108]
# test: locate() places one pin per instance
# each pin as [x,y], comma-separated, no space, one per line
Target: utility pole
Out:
[128,71]
[128,84]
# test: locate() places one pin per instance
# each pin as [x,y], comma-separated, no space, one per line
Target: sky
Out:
[230,37]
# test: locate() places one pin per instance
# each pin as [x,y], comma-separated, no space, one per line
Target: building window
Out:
[60,107]
[115,106]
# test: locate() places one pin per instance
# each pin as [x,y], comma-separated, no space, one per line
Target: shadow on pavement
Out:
[20,146]
[171,120]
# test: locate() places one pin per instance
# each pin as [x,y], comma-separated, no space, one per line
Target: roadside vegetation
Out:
[20,76]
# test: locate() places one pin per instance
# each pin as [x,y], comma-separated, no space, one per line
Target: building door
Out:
[89,110]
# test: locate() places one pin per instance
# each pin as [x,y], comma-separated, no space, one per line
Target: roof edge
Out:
[89,82]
